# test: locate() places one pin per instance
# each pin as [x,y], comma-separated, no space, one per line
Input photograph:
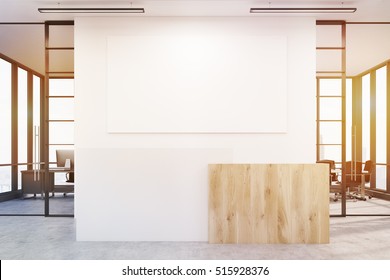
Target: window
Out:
[5,125]
[330,116]
[61,118]
[348,121]
[22,122]
[366,125]
[16,98]
[381,130]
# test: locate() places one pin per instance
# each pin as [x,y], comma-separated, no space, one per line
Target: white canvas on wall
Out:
[196,84]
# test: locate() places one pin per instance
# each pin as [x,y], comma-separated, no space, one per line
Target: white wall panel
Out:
[153,186]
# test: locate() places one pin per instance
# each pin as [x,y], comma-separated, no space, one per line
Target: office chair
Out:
[356,178]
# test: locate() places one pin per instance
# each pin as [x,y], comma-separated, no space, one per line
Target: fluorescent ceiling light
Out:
[93,10]
[302,10]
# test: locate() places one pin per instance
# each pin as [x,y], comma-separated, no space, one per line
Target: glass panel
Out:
[5,112]
[330,87]
[381,115]
[330,108]
[381,177]
[329,60]
[348,121]
[5,179]
[331,152]
[328,36]
[20,168]
[36,116]
[37,100]
[330,133]
[61,61]
[52,152]
[62,200]
[366,117]
[61,87]
[22,122]
[61,109]
[61,132]
[22,116]
[61,36]
[30,189]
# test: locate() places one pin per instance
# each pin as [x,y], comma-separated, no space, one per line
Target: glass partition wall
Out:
[20,100]
[61,137]
[36,119]
[355,119]
[59,106]
[331,106]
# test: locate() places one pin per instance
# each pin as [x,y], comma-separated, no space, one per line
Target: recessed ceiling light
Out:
[301,10]
[92,10]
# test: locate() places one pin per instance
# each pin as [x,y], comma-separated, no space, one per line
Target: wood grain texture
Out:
[268,203]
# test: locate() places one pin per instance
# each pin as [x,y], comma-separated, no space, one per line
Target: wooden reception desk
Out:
[268,203]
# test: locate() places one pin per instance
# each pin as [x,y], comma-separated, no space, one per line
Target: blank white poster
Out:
[195,84]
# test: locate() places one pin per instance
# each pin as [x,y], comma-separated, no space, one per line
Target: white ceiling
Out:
[362,54]
[26,10]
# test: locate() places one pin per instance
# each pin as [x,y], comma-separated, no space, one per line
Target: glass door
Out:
[331,108]
[59,104]
[61,140]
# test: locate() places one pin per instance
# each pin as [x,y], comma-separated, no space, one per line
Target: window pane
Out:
[61,132]
[328,36]
[20,168]
[328,60]
[61,109]
[37,100]
[54,148]
[330,108]
[330,152]
[61,87]
[36,116]
[61,61]
[5,111]
[61,36]
[330,133]
[366,117]
[22,116]
[5,179]
[381,115]
[381,177]
[348,121]
[330,87]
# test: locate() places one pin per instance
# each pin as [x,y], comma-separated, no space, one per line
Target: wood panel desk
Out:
[31,184]
[268,203]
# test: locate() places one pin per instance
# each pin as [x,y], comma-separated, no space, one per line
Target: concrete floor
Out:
[54,238]
[58,205]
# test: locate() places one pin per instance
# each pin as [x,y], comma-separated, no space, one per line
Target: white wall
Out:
[153,186]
